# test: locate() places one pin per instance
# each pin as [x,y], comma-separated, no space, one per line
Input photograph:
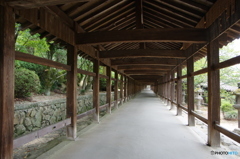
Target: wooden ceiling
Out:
[144,39]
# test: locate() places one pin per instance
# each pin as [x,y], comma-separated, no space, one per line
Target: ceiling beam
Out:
[145,61]
[144,67]
[142,53]
[39,3]
[192,35]
[144,72]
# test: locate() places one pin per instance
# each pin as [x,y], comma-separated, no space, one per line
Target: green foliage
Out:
[231,115]
[32,44]
[226,106]
[26,82]
[103,84]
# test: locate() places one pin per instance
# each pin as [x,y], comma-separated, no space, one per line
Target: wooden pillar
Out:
[108,88]
[96,89]
[116,89]
[72,91]
[125,88]
[168,88]
[7,57]
[172,90]
[190,91]
[179,89]
[121,90]
[213,94]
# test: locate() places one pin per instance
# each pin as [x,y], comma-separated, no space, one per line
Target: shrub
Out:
[231,115]
[226,106]
[26,82]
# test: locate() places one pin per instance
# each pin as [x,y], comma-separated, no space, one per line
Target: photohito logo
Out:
[224,153]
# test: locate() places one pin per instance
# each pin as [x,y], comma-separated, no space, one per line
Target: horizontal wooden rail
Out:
[228,63]
[41,61]
[199,72]
[228,133]
[199,117]
[86,72]
[103,76]
[182,107]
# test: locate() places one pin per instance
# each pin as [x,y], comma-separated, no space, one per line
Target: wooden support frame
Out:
[172,89]
[72,91]
[213,94]
[125,88]
[116,89]
[190,91]
[179,89]
[96,82]
[108,88]
[7,57]
[191,35]
[121,90]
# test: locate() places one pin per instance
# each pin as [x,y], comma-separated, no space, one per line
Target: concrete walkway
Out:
[142,128]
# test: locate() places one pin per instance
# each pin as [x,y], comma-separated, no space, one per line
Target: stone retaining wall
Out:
[33,116]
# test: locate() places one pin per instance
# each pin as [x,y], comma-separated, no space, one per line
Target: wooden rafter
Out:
[39,3]
[142,53]
[143,35]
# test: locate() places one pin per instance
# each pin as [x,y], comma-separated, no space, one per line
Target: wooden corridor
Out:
[142,128]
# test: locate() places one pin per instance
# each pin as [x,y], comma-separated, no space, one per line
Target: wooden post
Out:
[213,94]
[125,88]
[116,89]
[72,91]
[172,90]
[7,57]
[168,88]
[108,85]
[96,89]
[121,90]
[179,89]
[190,90]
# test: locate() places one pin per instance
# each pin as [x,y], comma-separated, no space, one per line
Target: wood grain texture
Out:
[143,35]
[7,57]
[213,94]
[144,67]
[72,91]
[145,61]
[143,53]
[41,61]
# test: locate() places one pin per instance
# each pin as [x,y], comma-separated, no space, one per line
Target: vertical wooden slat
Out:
[7,57]
[168,88]
[190,90]
[72,91]
[108,85]
[96,88]
[116,89]
[213,94]
[179,89]
[121,89]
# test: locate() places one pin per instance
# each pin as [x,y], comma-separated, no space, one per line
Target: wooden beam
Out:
[121,90]
[41,61]
[39,3]
[108,89]
[144,67]
[142,53]
[144,72]
[179,89]
[96,89]
[7,57]
[116,89]
[190,91]
[145,61]
[143,35]
[72,92]
[213,94]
